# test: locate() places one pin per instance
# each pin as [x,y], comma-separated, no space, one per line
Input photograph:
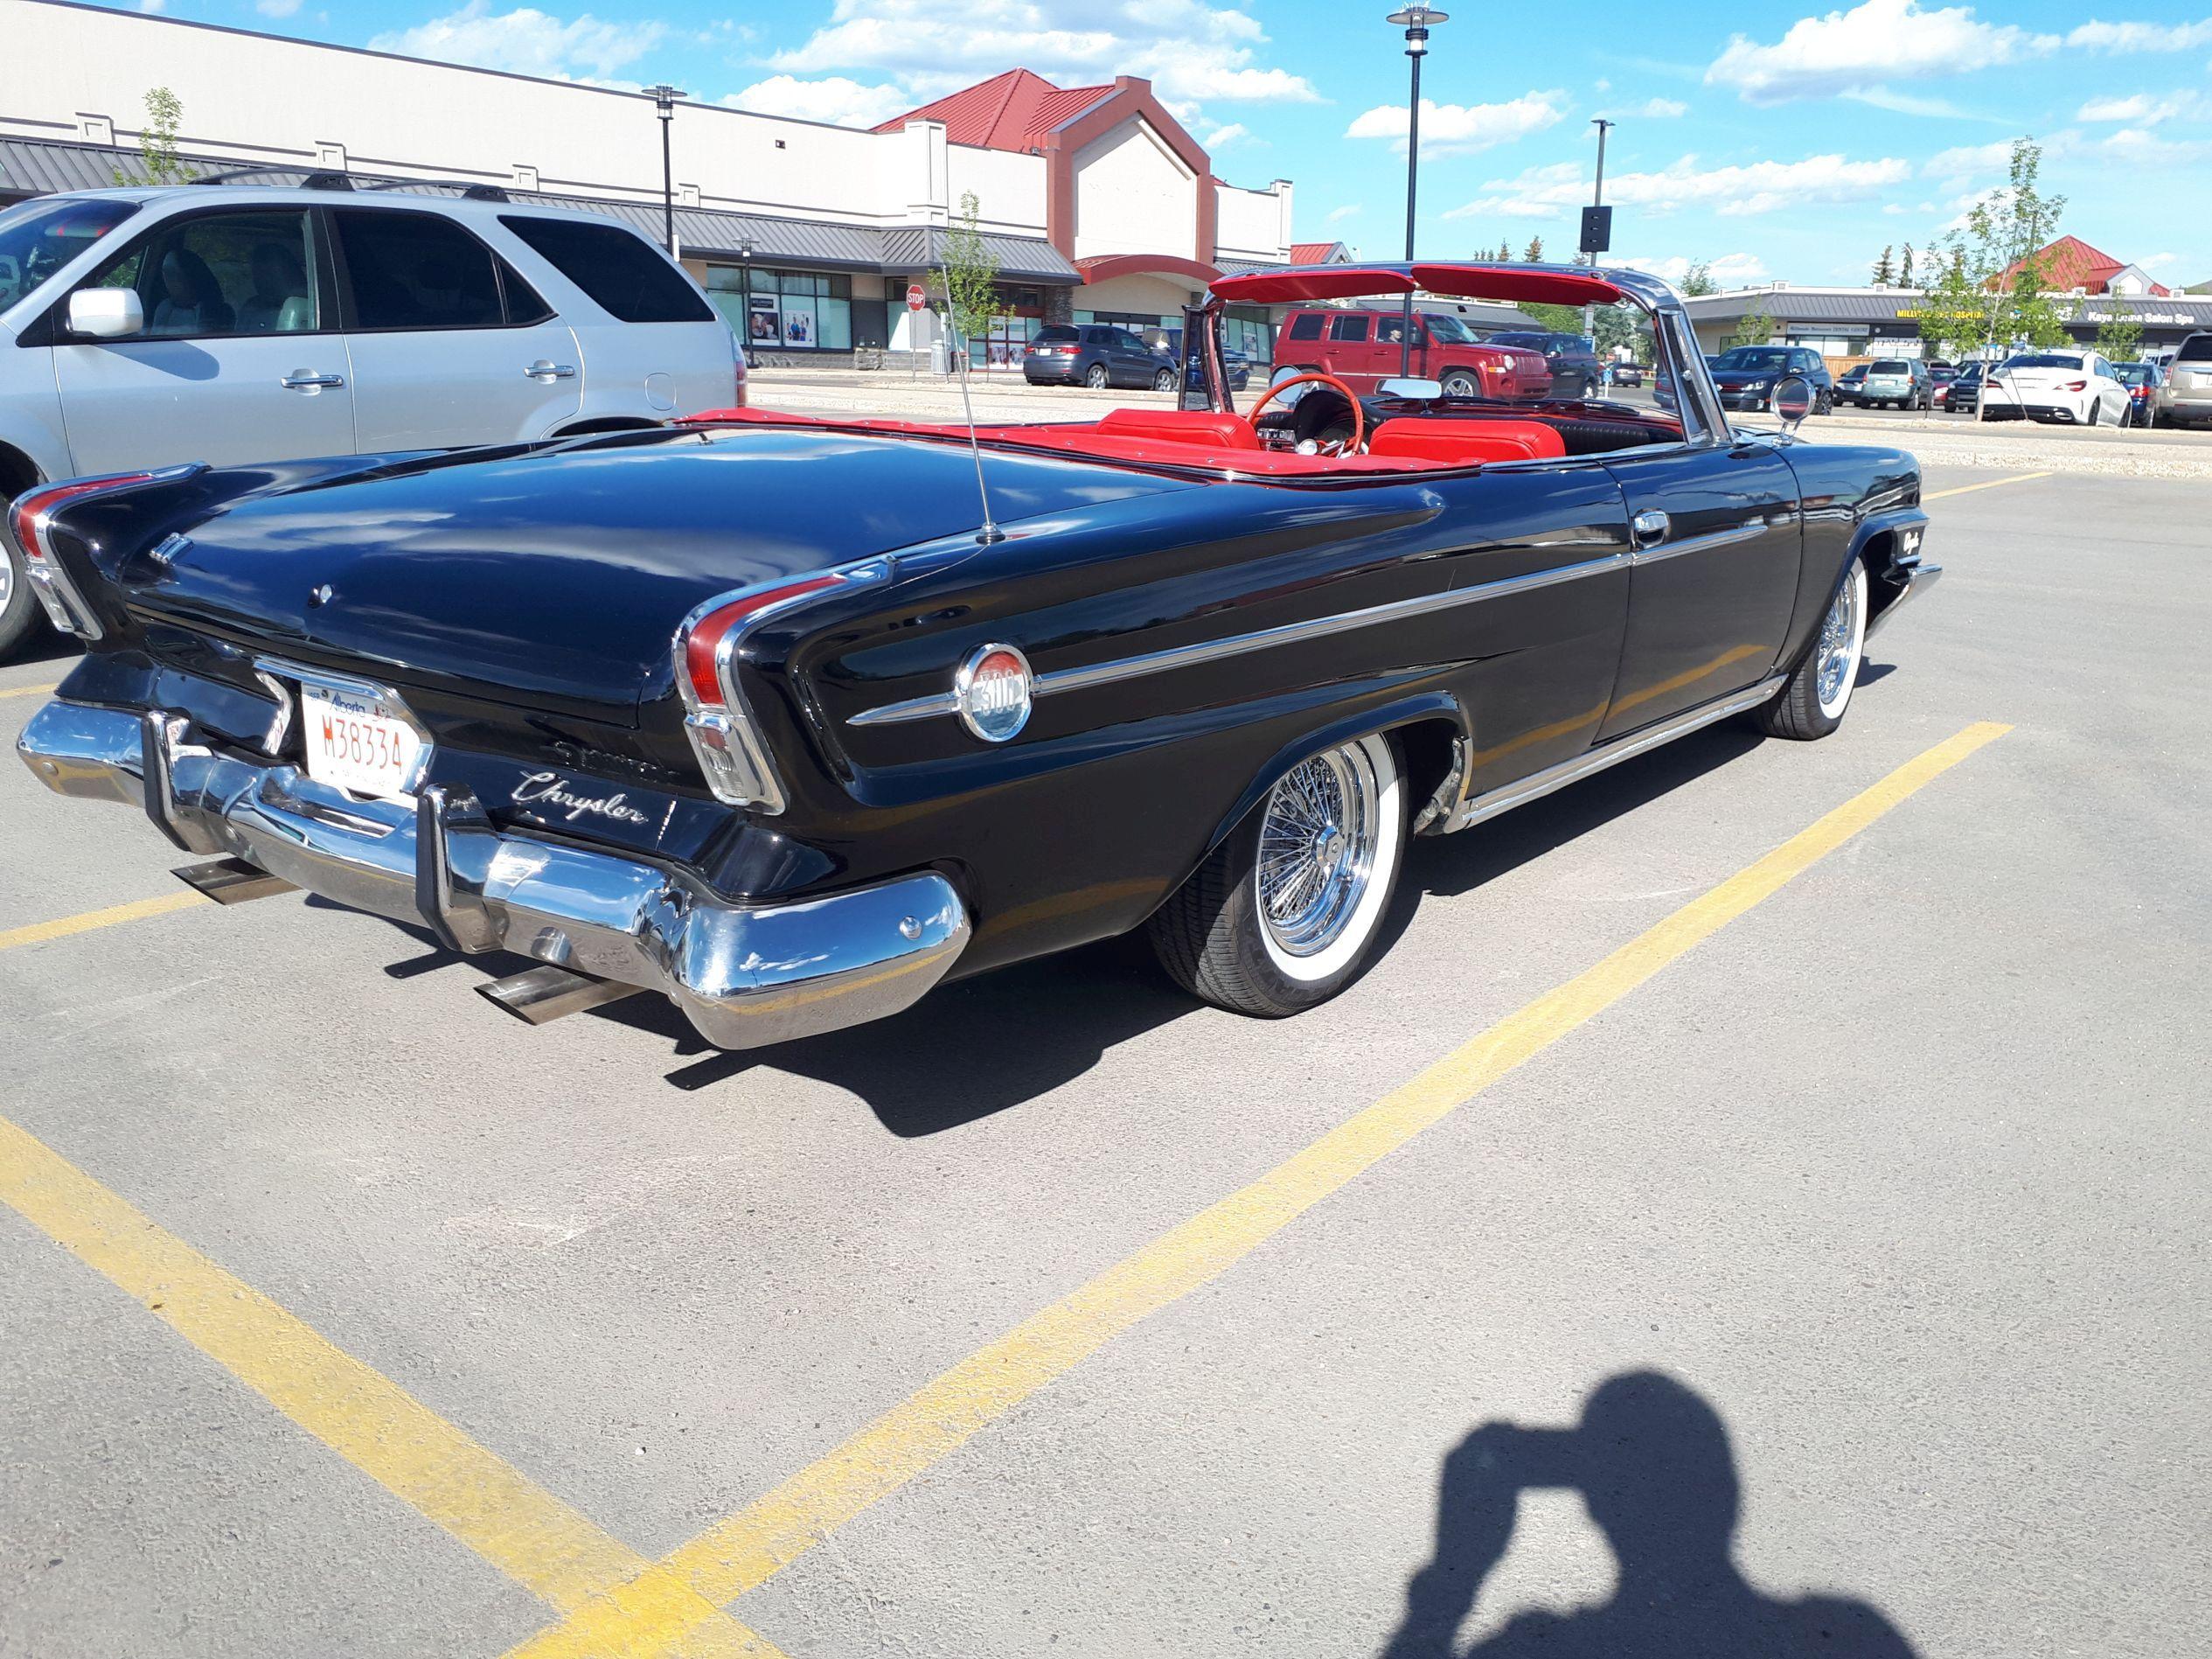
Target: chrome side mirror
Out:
[1289,397]
[106,313]
[1793,400]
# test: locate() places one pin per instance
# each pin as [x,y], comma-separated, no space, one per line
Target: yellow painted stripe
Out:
[751,1547]
[357,1411]
[29,691]
[1986,484]
[113,916]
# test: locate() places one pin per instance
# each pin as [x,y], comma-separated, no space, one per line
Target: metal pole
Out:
[1413,188]
[1596,199]
[667,182]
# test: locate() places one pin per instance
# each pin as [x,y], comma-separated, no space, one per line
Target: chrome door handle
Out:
[308,380]
[546,369]
[1651,527]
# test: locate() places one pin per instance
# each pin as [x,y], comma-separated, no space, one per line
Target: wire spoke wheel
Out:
[1841,633]
[1319,838]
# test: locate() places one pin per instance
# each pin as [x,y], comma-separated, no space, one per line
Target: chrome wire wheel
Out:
[1843,633]
[7,577]
[1319,839]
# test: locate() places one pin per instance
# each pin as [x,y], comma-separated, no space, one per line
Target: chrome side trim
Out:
[1538,784]
[1711,539]
[1155,662]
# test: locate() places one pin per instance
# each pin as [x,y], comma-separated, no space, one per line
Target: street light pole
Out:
[664,97]
[1416,20]
[1596,199]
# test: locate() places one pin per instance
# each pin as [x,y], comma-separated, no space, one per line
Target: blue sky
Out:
[1782,142]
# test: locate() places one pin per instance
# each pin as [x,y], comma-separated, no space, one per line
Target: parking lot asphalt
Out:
[1851,1171]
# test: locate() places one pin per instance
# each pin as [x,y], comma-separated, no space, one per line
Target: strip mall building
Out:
[1094,201]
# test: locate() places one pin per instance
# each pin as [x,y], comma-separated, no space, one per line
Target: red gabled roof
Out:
[2069,263]
[1011,111]
[1318,254]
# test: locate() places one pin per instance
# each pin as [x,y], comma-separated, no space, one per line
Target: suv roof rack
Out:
[327,180]
[475,192]
[308,181]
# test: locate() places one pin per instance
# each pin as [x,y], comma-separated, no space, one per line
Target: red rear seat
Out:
[1464,442]
[1215,431]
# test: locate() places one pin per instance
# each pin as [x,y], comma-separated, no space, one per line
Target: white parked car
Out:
[2077,388]
[142,328]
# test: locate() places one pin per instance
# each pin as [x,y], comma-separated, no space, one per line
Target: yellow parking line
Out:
[357,1411]
[29,691]
[752,1546]
[1986,484]
[113,916]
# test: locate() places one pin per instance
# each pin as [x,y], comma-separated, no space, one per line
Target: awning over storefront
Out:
[31,167]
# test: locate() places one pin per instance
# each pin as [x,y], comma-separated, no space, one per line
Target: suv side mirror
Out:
[106,313]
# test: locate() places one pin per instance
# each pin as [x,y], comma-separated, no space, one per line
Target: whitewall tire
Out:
[1816,696]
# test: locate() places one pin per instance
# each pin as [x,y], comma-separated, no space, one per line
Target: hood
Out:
[557,577]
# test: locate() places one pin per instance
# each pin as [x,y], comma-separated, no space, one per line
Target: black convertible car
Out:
[791,720]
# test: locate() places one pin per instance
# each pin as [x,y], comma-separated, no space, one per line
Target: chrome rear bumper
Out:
[746,975]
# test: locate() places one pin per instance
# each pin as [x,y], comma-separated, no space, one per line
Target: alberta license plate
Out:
[355,741]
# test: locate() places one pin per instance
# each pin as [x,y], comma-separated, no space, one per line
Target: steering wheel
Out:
[1359,414]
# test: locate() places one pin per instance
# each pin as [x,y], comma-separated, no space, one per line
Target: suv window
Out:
[210,275]
[416,271]
[1892,365]
[1054,331]
[1306,327]
[39,238]
[621,273]
[2196,349]
[1352,327]
[1098,337]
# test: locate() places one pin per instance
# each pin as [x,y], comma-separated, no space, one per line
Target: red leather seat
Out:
[1203,427]
[1464,443]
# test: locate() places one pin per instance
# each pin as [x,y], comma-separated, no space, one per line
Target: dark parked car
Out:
[2144,382]
[1169,342]
[1572,358]
[1747,375]
[1847,384]
[1094,354]
[785,719]
[1963,392]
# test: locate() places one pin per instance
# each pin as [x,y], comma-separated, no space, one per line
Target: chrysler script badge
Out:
[550,790]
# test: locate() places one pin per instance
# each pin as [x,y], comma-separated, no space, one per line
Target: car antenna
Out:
[990,532]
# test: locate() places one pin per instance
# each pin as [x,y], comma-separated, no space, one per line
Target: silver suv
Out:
[237,324]
[2188,395]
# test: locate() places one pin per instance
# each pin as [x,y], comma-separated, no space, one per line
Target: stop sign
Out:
[915,298]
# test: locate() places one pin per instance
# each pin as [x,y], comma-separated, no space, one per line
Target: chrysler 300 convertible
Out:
[791,720]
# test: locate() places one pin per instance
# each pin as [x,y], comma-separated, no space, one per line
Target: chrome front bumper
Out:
[746,975]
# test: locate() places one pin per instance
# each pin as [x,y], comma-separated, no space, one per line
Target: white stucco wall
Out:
[1134,195]
[1248,224]
[1009,187]
[1146,295]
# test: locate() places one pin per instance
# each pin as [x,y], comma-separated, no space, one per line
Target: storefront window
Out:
[784,311]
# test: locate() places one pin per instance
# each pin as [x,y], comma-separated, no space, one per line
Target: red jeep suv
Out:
[1363,348]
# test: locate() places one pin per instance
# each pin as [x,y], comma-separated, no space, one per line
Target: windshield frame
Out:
[23,218]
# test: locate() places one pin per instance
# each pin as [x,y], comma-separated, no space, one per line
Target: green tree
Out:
[2120,337]
[1535,254]
[1995,288]
[1505,253]
[1697,281]
[971,275]
[157,142]
[1885,269]
[1756,327]
[1905,269]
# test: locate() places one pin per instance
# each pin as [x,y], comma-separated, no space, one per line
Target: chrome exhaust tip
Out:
[232,880]
[543,993]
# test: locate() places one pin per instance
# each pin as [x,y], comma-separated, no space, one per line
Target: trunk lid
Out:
[555,580]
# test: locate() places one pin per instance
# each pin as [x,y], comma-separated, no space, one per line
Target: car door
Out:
[450,346]
[1351,353]
[1135,363]
[240,359]
[1717,542]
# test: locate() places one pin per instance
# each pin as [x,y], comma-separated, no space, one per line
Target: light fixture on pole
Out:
[1416,20]
[664,97]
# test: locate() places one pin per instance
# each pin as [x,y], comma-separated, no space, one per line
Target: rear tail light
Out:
[2078,386]
[737,401]
[32,520]
[731,756]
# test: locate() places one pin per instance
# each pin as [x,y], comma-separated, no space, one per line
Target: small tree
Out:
[1885,269]
[1698,280]
[1505,253]
[157,142]
[1756,327]
[2120,337]
[1993,291]
[1535,254]
[971,275]
[1904,268]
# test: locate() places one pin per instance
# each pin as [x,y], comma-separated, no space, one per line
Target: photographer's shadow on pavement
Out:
[1653,1462]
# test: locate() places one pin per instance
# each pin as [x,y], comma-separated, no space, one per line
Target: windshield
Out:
[1754,357]
[39,237]
[2132,373]
[2041,360]
[1450,330]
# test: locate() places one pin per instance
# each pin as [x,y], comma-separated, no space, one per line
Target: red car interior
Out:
[1218,430]
[1466,443]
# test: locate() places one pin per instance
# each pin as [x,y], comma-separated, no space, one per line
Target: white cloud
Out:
[526,41]
[2142,109]
[1650,110]
[2135,147]
[1337,215]
[1872,43]
[1905,103]
[1221,137]
[1730,192]
[833,98]
[1730,271]
[276,8]
[2140,37]
[1191,52]
[1457,128]
[2160,261]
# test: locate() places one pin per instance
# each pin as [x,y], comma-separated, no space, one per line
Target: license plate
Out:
[355,741]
